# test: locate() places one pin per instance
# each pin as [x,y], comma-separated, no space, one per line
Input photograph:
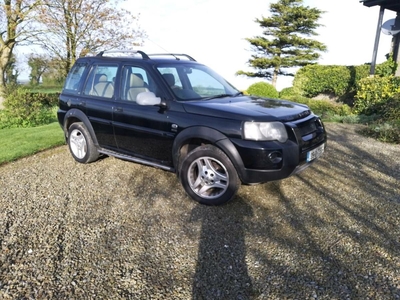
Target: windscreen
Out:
[195,82]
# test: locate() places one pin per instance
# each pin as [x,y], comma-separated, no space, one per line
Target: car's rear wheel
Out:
[208,176]
[81,144]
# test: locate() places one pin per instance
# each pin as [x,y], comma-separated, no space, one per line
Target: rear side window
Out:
[74,78]
[101,81]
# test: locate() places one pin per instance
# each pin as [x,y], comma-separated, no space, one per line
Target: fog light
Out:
[275,157]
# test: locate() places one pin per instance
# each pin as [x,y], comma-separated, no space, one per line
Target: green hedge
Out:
[369,95]
[23,108]
[341,81]
[380,96]
[374,92]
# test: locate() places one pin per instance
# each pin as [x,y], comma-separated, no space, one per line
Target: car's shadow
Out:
[221,268]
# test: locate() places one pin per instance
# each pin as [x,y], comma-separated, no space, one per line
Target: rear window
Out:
[74,78]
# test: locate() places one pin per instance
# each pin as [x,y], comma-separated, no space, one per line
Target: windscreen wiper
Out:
[223,96]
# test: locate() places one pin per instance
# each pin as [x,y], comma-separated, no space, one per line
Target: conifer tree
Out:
[286,41]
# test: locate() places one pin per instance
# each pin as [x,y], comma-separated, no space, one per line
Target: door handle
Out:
[82,103]
[118,109]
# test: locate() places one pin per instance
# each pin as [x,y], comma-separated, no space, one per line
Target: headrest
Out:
[169,78]
[102,77]
[139,75]
[136,81]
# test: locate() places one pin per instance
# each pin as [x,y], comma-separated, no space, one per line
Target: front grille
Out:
[309,133]
[307,127]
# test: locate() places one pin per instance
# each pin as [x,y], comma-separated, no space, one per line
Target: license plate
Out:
[317,152]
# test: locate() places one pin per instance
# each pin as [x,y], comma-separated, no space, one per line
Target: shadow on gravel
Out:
[221,269]
[354,162]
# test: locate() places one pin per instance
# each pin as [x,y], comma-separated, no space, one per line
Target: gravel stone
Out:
[118,230]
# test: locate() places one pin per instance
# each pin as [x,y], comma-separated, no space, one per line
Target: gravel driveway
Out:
[118,230]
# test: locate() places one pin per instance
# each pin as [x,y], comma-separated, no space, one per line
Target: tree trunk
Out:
[275,77]
[5,55]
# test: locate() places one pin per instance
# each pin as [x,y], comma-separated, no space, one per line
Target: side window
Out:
[204,84]
[74,78]
[171,77]
[134,81]
[100,81]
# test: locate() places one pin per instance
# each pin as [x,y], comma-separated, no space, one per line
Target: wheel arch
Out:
[192,137]
[75,115]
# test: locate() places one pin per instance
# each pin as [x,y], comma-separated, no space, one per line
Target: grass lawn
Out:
[20,142]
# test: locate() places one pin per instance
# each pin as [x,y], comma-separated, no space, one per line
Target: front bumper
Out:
[259,163]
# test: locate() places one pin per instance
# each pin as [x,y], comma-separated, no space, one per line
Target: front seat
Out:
[170,79]
[136,86]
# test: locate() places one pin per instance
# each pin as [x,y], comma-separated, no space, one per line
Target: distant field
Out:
[45,89]
[40,88]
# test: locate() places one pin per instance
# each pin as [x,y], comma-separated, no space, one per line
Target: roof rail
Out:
[127,52]
[176,55]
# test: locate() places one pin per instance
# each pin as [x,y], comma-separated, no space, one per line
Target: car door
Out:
[141,130]
[98,99]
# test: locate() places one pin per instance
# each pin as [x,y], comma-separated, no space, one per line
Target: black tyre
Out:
[208,176]
[80,144]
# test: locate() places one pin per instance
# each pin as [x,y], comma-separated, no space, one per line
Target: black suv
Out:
[171,112]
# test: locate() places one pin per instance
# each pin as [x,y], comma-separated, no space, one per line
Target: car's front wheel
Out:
[80,144]
[208,175]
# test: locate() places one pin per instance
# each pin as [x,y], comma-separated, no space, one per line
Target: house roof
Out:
[387,4]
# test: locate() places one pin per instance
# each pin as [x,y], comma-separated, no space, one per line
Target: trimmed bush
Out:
[287,93]
[340,81]
[263,89]
[317,79]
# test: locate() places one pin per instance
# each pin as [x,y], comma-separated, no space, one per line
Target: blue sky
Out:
[214,32]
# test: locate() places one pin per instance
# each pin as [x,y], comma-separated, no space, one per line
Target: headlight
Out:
[265,131]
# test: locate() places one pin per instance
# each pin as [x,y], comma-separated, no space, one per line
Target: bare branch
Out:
[71,27]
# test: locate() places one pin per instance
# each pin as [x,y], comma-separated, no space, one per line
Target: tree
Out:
[53,76]
[15,28]
[285,42]
[38,64]
[75,27]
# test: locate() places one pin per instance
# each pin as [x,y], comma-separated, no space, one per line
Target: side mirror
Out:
[147,98]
